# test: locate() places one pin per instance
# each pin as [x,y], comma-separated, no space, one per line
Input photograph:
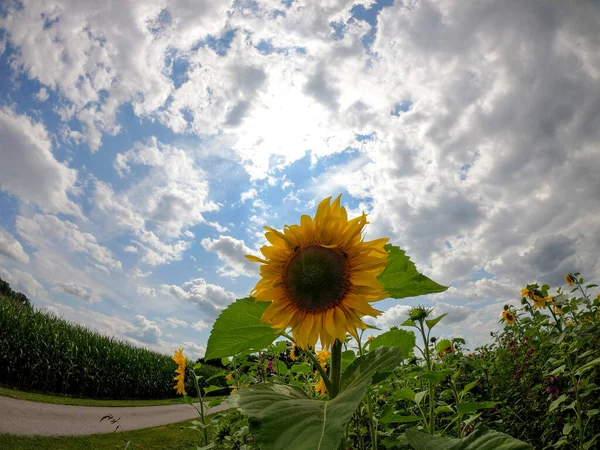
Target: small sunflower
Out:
[370,339]
[508,316]
[323,356]
[470,355]
[293,353]
[320,276]
[529,293]
[538,302]
[320,388]
[447,351]
[570,324]
[229,377]
[557,309]
[569,279]
[180,378]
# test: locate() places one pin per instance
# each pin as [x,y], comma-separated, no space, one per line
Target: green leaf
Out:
[568,428]
[481,439]
[215,402]
[281,368]
[401,279]
[362,365]
[280,346]
[408,323]
[471,419]
[347,358]
[466,408]
[222,373]
[404,394]
[433,322]
[436,376]
[443,345]
[301,368]
[587,366]
[468,387]
[283,417]
[557,402]
[238,328]
[402,339]
[419,396]
[559,370]
[394,418]
[212,389]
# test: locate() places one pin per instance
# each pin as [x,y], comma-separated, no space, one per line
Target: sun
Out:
[320,276]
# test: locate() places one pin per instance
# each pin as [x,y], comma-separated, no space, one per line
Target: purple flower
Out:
[270,366]
[531,351]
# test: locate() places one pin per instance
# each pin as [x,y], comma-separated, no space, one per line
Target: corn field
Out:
[44,353]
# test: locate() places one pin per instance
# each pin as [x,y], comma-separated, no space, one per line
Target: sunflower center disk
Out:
[316,278]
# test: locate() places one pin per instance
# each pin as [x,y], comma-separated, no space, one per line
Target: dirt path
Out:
[32,418]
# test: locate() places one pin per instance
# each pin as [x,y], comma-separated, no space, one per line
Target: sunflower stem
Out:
[312,358]
[336,368]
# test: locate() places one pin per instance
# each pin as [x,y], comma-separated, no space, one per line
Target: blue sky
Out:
[144,146]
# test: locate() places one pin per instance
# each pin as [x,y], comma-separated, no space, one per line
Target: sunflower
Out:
[320,276]
[558,309]
[320,388]
[570,324]
[323,356]
[293,353]
[527,293]
[180,378]
[569,279]
[229,377]
[448,350]
[508,316]
[538,302]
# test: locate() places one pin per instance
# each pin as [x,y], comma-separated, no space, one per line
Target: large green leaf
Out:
[284,418]
[239,329]
[481,439]
[401,279]
[402,339]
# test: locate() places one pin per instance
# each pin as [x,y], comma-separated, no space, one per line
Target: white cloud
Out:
[130,249]
[24,282]
[144,330]
[193,350]
[145,291]
[174,194]
[176,323]
[76,290]
[44,230]
[210,298]
[200,325]
[12,248]
[42,95]
[248,195]
[29,169]
[231,252]
[101,58]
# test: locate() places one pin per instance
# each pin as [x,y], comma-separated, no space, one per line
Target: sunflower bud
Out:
[419,313]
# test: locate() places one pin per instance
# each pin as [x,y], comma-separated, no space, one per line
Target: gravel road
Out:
[46,419]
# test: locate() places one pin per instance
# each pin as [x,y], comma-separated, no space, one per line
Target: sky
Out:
[144,145]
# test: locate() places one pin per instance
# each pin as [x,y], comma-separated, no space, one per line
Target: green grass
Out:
[63,400]
[167,437]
